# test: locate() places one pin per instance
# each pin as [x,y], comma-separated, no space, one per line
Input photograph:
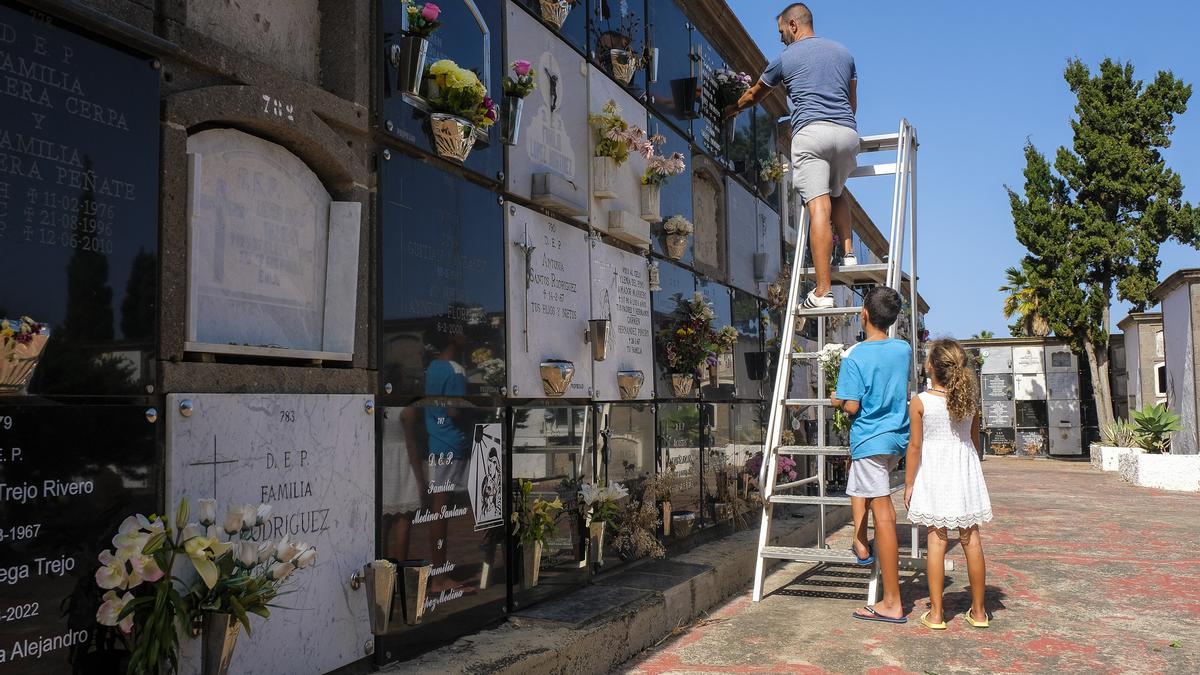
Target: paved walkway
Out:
[1085,574]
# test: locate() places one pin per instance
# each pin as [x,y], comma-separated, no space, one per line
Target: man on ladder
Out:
[822,94]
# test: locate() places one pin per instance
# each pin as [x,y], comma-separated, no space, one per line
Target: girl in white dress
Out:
[944,485]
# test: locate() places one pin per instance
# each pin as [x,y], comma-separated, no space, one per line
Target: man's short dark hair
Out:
[798,12]
[883,306]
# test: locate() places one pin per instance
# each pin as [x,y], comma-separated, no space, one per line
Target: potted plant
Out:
[1116,439]
[599,502]
[422,21]
[1157,468]
[555,12]
[658,169]
[533,521]
[516,87]
[770,174]
[830,359]
[460,104]
[692,343]
[730,85]
[677,230]
[615,139]
[637,528]
[21,344]
[150,599]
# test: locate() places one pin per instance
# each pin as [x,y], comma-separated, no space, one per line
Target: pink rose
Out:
[521,67]
[430,12]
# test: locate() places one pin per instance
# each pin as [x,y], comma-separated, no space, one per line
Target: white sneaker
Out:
[849,260]
[813,302]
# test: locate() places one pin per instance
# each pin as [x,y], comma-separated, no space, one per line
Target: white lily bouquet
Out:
[600,501]
[830,358]
[152,568]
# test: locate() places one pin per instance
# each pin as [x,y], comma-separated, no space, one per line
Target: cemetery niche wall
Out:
[79,205]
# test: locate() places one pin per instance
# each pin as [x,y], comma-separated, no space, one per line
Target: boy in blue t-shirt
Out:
[873,389]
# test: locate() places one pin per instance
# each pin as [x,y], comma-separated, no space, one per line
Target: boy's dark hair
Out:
[883,306]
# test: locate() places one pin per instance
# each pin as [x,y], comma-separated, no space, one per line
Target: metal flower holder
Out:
[220,636]
[556,377]
[380,579]
[510,119]
[414,578]
[409,59]
[453,136]
[599,334]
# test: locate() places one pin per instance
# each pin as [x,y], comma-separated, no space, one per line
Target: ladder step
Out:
[807,554]
[874,273]
[879,142]
[868,170]
[805,355]
[828,311]
[813,450]
[807,499]
[797,402]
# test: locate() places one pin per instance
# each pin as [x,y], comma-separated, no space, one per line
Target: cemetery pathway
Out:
[1085,574]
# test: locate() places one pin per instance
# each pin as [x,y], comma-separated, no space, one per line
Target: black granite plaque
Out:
[677,193]
[740,147]
[442,283]
[1060,359]
[473,41]
[1031,414]
[68,476]
[708,128]
[1000,441]
[675,94]
[997,387]
[618,25]
[1030,442]
[78,203]
[442,479]
[574,29]
[997,414]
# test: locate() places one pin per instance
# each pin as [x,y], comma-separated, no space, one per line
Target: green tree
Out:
[1024,300]
[1094,223]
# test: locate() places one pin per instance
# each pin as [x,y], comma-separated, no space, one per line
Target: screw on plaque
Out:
[186,407]
[369,407]
[389,125]
[387,154]
[151,415]
[387,388]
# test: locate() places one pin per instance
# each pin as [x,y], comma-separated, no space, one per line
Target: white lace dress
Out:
[949,490]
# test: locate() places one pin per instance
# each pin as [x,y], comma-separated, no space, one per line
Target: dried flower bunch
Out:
[693,342]
[422,18]
[459,92]
[615,138]
[637,528]
[678,225]
[523,80]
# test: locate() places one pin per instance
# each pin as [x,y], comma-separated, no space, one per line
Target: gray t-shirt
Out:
[817,72]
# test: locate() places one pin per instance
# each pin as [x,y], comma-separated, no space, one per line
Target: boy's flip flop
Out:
[930,625]
[869,560]
[876,616]
[976,624]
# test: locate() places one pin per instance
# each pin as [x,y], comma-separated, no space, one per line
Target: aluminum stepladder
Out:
[891,274]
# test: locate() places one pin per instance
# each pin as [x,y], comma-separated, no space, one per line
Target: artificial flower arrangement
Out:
[830,357]
[785,466]
[422,18]
[615,138]
[21,344]
[731,85]
[523,80]
[599,501]
[161,576]
[460,93]
[773,170]
[693,343]
[677,229]
[660,167]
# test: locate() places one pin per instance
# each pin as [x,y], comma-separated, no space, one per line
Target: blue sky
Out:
[976,79]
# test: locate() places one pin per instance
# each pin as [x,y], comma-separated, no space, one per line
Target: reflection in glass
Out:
[718,296]
[675,94]
[629,451]
[677,284]
[441,477]
[747,354]
[736,435]
[618,26]
[679,435]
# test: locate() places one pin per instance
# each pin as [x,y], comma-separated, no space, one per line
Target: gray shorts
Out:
[823,155]
[871,476]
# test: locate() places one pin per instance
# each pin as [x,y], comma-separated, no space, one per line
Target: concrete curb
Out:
[599,644]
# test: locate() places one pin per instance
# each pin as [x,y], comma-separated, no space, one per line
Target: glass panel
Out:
[677,193]
[79,207]
[461,39]
[749,359]
[618,26]
[574,29]
[675,94]
[71,474]
[629,455]
[553,449]
[740,151]
[679,432]
[442,477]
[766,146]
[718,295]
[677,284]
[707,128]
[442,282]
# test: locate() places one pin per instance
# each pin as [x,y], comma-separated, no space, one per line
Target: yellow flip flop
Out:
[974,623]
[932,626]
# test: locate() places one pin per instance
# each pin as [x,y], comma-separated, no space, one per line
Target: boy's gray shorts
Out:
[823,156]
[871,476]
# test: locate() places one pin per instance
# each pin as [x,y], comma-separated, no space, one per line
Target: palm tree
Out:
[983,335]
[1024,301]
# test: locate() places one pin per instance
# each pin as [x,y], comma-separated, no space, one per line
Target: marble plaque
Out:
[998,414]
[1061,359]
[627,180]
[1029,360]
[769,256]
[1029,387]
[79,199]
[707,128]
[264,233]
[996,360]
[1066,440]
[549,301]
[554,125]
[1063,413]
[743,241]
[64,490]
[1063,386]
[997,387]
[311,457]
[621,294]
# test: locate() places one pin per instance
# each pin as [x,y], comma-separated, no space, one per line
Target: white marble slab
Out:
[601,89]
[742,242]
[770,245]
[996,360]
[312,457]
[1029,360]
[1029,387]
[550,297]
[620,292]
[1063,386]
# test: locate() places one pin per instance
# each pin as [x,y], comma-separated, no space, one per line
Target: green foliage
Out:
[983,335]
[1093,223]
[533,518]
[1025,292]
[1154,425]
[1121,434]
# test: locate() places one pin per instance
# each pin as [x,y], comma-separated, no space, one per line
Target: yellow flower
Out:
[202,551]
[442,67]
